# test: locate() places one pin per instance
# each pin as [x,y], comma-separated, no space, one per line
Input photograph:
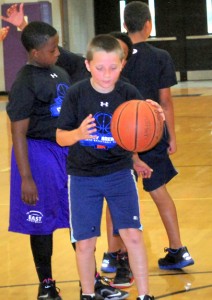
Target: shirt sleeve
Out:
[68,115]
[21,100]
[167,76]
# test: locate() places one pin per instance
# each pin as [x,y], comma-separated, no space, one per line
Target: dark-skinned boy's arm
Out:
[29,193]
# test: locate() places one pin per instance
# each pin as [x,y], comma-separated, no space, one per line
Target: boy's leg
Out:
[86,264]
[115,243]
[133,239]
[41,246]
[86,204]
[177,256]
[168,214]
[122,198]
[115,246]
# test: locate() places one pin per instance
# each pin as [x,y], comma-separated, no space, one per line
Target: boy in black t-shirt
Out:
[152,71]
[98,168]
[38,190]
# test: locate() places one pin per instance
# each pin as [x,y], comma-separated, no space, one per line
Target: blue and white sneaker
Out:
[109,262]
[175,259]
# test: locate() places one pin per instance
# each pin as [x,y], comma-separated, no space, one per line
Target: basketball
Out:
[137,125]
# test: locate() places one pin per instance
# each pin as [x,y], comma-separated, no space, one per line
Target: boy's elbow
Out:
[59,140]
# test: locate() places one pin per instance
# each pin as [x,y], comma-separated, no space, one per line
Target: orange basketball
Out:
[136,125]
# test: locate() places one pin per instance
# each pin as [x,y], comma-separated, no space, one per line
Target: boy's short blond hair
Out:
[104,42]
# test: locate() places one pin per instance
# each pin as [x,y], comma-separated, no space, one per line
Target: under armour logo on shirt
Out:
[104,104]
[53,75]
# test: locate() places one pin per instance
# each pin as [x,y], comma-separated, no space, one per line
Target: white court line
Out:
[5,170]
[180,199]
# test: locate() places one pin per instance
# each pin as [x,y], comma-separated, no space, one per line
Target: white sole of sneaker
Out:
[123,285]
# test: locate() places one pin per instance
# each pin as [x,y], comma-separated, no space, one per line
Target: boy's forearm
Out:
[66,137]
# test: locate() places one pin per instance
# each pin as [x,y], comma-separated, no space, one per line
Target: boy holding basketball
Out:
[98,168]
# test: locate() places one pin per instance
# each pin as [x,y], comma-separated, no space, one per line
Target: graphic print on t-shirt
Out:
[104,139]
[61,92]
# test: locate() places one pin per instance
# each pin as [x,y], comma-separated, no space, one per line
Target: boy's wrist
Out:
[22,25]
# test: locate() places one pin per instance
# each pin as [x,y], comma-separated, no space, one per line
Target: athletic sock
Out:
[141,297]
[91,295]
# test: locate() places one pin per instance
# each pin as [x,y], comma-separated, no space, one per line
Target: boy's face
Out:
[48,54]
[105,68]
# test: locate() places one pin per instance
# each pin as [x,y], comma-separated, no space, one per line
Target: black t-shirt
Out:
[73,64]
[150,69]
[101,156]
[38,93]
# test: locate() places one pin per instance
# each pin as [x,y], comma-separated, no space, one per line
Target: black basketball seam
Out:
[117,129]
[150,108]
[136,127]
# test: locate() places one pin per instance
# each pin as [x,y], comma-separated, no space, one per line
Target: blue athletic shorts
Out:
[86,202]
[48,166]
[163,169]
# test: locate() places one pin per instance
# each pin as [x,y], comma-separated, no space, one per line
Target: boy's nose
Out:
[57,52]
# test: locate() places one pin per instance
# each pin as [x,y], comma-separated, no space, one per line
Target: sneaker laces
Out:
[104,279]
[49,284]
[123,262]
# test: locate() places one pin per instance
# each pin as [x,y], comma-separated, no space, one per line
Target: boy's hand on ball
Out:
[159,108]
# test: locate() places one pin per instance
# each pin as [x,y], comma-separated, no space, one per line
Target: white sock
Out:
[141,297]
[92,295]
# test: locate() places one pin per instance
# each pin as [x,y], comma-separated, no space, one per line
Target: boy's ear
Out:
[34,53]
[87,65]
[125,26]
[148,27]
[123,63]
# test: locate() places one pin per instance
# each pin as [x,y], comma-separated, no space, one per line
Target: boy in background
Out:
[152,71]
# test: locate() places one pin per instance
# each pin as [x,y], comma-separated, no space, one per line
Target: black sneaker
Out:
[176,259]
[86,297]
[124,277]
[48,291]
[104,291]
[147,297]
[109,262]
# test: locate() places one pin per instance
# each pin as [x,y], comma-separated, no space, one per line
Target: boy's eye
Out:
[99,68]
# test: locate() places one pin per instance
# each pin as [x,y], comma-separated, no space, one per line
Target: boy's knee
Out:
[130,235]
[85,246]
